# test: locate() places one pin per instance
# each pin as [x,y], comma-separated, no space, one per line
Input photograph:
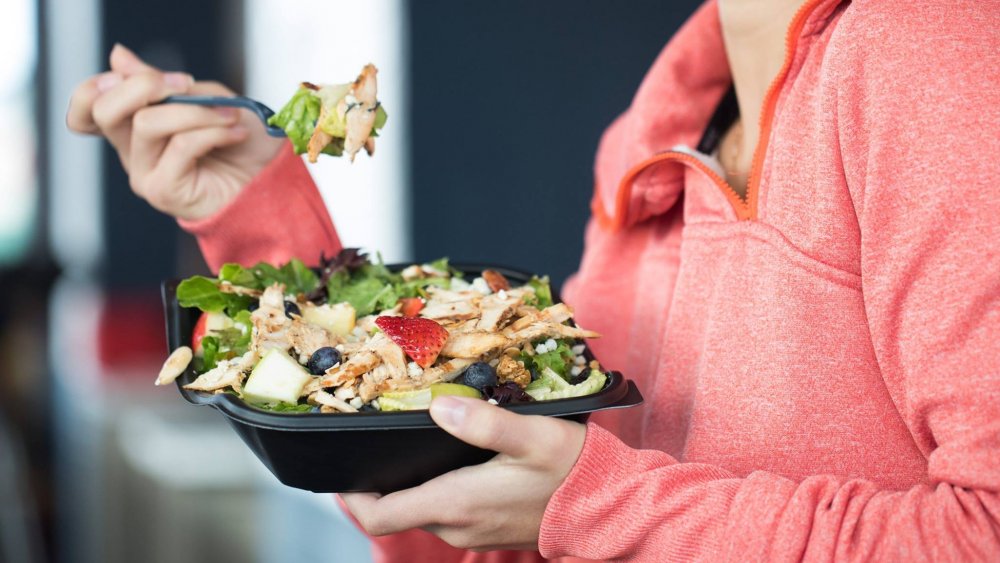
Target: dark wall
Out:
[509,100]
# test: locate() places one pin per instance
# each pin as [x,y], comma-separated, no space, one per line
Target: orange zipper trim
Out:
[617,220]
[746,209]
[771,101]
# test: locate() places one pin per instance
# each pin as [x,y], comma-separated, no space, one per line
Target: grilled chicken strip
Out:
[454,311]
[473,344]
[445,372]
[496,310]
[558,314]
[358,364]
[544,329]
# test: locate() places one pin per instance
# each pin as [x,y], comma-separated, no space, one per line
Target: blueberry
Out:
[322,360]
[479,375]
[292,309]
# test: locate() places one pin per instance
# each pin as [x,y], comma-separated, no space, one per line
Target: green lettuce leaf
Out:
[559,360]
[294,275]
[543,292]
[297,408]
[204,293]
[366,293]
[298,118]
[238,275]
[210,354]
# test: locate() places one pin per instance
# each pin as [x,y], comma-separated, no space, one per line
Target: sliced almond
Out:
[175,365]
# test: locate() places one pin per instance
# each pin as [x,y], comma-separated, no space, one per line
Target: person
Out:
[792,252]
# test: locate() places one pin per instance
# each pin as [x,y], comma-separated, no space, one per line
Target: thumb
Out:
[487,426]
[124,61]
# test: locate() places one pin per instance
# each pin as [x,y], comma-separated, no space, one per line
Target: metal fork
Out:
[258,108]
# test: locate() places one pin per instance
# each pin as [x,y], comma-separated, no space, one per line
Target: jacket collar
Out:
[671,108]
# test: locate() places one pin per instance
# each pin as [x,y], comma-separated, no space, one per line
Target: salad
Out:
[358,337]
[333,119]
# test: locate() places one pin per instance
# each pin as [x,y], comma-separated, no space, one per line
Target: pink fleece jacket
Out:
[821,362]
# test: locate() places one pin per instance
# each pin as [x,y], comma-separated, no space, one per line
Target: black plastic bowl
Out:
[369,451]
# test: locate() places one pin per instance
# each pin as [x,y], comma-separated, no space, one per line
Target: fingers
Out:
[184,149]
[126,63]
[152,128]
[114,108]
[79,115]
[420,507]
[161,186]
[481,424]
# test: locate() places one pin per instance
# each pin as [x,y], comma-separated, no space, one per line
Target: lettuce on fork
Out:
[333,119]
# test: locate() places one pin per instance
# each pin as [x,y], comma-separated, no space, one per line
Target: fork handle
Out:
[260,110]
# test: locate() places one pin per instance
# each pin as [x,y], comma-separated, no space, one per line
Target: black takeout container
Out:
[367,451]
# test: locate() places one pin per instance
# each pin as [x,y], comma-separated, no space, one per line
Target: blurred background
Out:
[495,111]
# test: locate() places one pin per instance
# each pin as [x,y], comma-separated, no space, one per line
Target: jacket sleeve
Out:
[277,216]
[917,118]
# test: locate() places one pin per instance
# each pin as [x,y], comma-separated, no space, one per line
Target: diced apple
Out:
[217,322]
[337,318]
[276,378]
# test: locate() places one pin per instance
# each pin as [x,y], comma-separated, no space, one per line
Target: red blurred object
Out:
[130,337]
[200,328]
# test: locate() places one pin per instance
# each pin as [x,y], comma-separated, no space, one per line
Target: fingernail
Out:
[107,81]
[228,113]
[237,131]
[179,80]
[449,411]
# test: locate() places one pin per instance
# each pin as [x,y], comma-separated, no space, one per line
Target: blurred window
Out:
[18,173]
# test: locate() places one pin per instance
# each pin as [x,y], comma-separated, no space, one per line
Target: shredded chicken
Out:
[227,373]
[306,338]
[270,325]
[324,399]
[358,108]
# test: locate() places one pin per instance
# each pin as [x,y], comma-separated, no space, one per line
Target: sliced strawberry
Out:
[410,306]
[421,339]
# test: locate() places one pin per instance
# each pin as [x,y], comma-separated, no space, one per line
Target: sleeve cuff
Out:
[278,215]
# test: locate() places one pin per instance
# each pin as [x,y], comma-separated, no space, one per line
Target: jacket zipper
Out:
[746,209]
[770,102]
